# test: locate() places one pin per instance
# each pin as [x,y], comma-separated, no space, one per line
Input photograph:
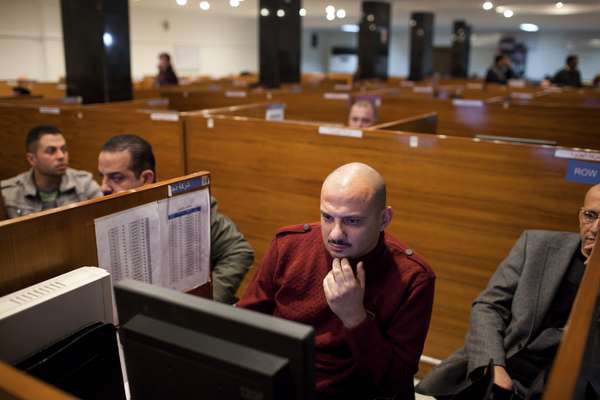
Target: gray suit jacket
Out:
[509,310]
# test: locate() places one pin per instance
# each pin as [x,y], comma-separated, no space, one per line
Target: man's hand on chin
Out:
[345,292]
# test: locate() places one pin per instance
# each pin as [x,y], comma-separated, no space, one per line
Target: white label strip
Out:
[234,93]
[275,114]
[342,86]
[50,110]
[475,86]
[467,103]
[578,155]
[164,117]
[334,131]
[521,95]
[518,83]
[336,96]
[423,89]
[413,141]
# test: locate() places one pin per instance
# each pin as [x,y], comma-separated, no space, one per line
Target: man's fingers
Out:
[360,274]
[347,272]
[329,286]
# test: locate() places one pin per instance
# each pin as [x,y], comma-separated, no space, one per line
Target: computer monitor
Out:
[61,331]
[178,346]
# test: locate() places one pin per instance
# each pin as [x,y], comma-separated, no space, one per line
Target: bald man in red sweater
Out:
[368,296]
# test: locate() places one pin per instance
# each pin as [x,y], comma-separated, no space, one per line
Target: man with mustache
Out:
[50,182]
[518,320]
[368,296]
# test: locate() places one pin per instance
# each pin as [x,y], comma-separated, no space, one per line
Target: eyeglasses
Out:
[588,216]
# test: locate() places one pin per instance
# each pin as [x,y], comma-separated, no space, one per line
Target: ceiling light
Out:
[488,5]
[181,2]
[350,28]
[529,27]
[595,42]
[341,13]
[280,13]
[500,9]
[234,3]
[330,9]
[264,12]
[508,13]
[204,5]
[302,12]
[330,17]
[108,39]
[560,4]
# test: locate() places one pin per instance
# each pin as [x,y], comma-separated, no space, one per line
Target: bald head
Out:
[591,194]
[353,210]
[358,181]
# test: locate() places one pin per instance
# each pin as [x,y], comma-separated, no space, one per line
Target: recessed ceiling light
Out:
[234,3]
[330,9]
[280,13]
[488,5]
[264,12]
[500,9]
[204,5]
[181,2]
[508,13]
[341,13]
[529,27]
[108,39]
[560,4]
[302,12]
[330,17]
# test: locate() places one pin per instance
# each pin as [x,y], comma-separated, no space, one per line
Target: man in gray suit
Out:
[518,320]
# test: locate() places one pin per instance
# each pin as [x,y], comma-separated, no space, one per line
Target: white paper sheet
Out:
[166,243]
[185,240]
[128,243]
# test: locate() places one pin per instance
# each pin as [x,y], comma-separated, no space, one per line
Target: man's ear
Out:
[147,176]
[30,158]
[386,217]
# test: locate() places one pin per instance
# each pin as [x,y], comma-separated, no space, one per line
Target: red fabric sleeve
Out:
[259,295]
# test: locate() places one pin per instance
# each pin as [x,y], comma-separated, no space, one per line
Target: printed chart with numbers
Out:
[165,242]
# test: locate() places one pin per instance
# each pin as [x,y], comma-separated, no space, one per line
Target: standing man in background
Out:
[166,73]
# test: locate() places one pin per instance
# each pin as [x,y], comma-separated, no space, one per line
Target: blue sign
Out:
[583,172]
[187,185]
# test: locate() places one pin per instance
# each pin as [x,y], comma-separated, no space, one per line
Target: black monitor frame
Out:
[287,339]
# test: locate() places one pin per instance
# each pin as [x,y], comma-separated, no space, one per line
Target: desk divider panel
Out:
[568,362]
[86,128]
[40,246]
[460,203]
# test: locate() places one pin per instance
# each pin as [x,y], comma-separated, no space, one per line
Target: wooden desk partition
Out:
[460,203]
[17,385]
[424,123]
[566,125]
[568,362]
[86,128]
[40,246]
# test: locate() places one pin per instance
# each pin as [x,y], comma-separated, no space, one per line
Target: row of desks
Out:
[459,202]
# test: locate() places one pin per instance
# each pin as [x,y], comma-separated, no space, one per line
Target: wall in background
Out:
[547,51]
[200,43]
[31,41]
